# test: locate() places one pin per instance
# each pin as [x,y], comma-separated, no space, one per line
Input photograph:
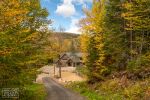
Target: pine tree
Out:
[116,42]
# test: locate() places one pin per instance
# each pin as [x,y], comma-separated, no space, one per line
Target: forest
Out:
[115,41]
[117,38]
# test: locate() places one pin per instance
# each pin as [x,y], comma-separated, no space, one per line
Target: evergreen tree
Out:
[116,41]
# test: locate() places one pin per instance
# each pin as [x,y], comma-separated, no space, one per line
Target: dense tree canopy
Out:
[23,32]
[118,37]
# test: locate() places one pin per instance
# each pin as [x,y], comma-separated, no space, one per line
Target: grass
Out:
[32,91]
[83,89]
[35,92]
[114,89]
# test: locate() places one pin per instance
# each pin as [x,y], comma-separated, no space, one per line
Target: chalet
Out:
[69,60]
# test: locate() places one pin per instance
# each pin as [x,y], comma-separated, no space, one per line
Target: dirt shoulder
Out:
[68,74]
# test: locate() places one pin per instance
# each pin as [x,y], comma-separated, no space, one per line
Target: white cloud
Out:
[67,1]
[73,26]
[66,9]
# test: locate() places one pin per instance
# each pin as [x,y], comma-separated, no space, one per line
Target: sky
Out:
[66,13]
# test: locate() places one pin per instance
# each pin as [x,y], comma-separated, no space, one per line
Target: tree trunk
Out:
[131,39]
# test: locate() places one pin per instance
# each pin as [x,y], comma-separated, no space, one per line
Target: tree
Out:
[93,24]
[21,41]
[116,36]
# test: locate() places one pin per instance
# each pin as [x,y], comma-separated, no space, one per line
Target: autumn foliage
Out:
[118,37]
[23,29]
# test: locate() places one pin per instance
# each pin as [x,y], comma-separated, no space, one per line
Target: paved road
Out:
[56,91]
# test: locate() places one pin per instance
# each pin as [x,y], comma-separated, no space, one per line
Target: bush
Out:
[133,92]
[81,70]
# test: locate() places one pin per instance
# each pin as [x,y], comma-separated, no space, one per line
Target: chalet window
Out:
[81,58]
[78,64]
[69,64]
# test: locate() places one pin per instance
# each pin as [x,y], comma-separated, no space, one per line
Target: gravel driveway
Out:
[56,91]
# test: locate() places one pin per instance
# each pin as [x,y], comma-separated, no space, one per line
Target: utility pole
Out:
[54,64]
[59,70]
[54,69]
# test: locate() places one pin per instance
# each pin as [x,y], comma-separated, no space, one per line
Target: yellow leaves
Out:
[93,24]
[12,13]
[84,38]
[133,52]
[133,91]
[123,15]
[97,16]
[25,31]
[31,37]
[128,14]
[99,47]
[14,17]
[127,5]
[32,61]
[5,51]
[84,42]
[28,3]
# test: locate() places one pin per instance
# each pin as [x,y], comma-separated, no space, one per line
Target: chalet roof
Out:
[79,54]
[75,57]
